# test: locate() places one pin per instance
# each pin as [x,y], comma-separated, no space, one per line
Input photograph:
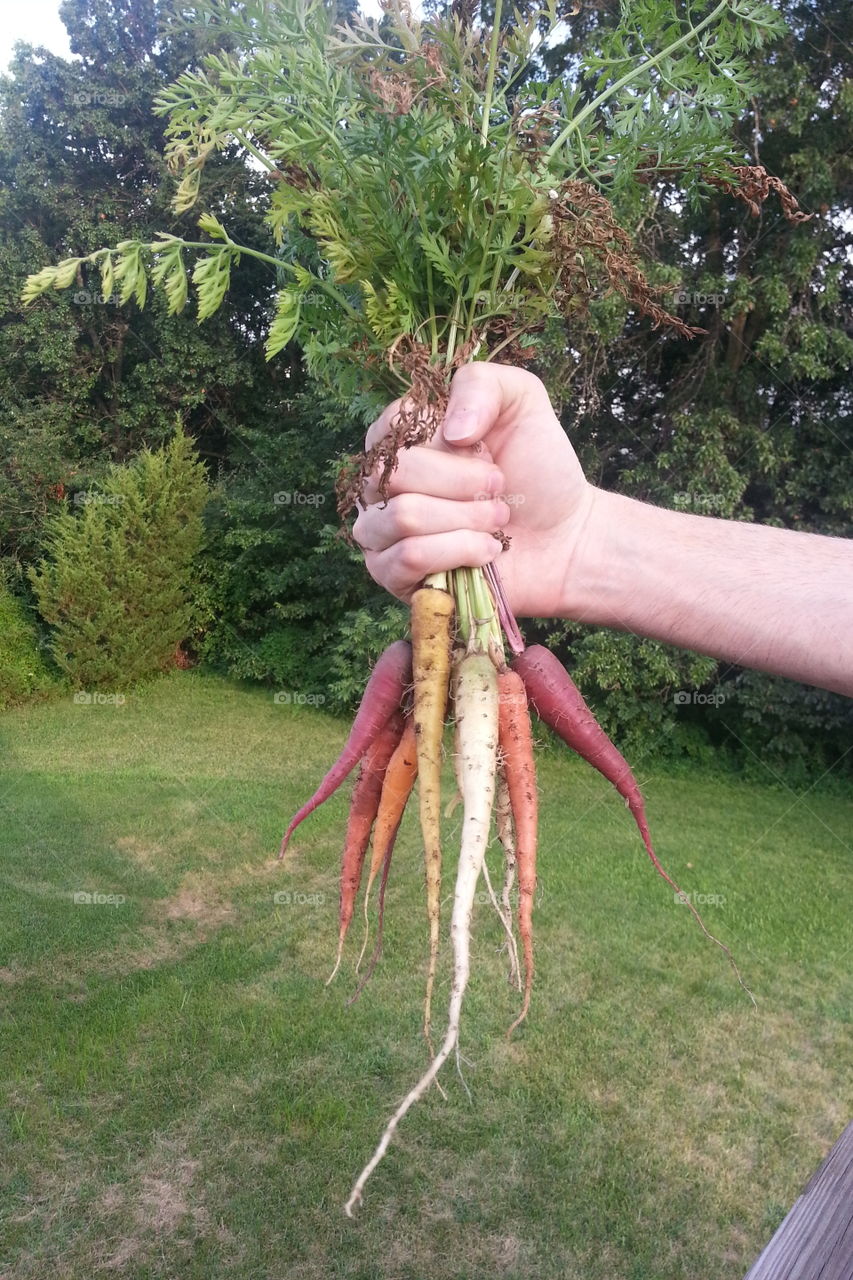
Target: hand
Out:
[767,598]
[500,460]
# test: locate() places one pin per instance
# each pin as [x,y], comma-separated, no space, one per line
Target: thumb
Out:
[481,395]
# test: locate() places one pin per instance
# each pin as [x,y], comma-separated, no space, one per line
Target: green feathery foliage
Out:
[427,192]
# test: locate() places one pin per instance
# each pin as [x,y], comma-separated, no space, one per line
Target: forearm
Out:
[748,594]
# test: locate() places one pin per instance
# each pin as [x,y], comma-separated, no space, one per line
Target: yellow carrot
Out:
[432,634]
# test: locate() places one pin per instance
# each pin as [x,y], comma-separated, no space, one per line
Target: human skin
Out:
[756,596]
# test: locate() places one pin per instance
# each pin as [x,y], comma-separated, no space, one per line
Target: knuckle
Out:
[486,548]
[409,559]
[378,570]
[476,371]
[398,580]
[407,515]
[488,515]
[526,378]
[359,531]
[370,489]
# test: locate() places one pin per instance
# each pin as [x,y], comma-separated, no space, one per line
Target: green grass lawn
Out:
[185,1098]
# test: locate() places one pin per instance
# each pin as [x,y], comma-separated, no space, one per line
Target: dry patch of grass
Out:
[148,854]
[198,900]
[146,948]
[160,1200]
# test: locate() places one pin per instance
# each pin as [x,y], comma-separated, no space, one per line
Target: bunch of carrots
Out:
[456,661]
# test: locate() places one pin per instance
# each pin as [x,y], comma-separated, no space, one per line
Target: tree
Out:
[750,420]
[84,381]
[754,419]
[287,591]
[118,585]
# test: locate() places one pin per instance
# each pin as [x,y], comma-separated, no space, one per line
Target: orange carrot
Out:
[516,743]
[363,808]
[396,789]
[506,836]
[377,950]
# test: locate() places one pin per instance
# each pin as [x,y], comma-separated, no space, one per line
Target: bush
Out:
[359,640]
[635,687]
[788,730]
[23,674]
[285,588]
[117,582]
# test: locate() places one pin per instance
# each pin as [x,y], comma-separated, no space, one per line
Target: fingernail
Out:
[459,424]
[495,484]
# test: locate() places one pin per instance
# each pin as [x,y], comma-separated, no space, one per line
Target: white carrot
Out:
[476,699]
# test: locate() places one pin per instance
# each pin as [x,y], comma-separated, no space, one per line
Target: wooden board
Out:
[815,1242]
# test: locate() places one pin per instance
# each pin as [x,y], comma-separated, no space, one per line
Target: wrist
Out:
[626,568]
[592,586]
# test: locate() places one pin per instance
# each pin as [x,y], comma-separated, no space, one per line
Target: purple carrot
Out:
[558,701]
[383,694]
[506,616]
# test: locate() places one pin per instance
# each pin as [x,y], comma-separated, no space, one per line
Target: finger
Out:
[403,567]
[485,395]
[414,515]
[383,424]
[437,473]
[380,428]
